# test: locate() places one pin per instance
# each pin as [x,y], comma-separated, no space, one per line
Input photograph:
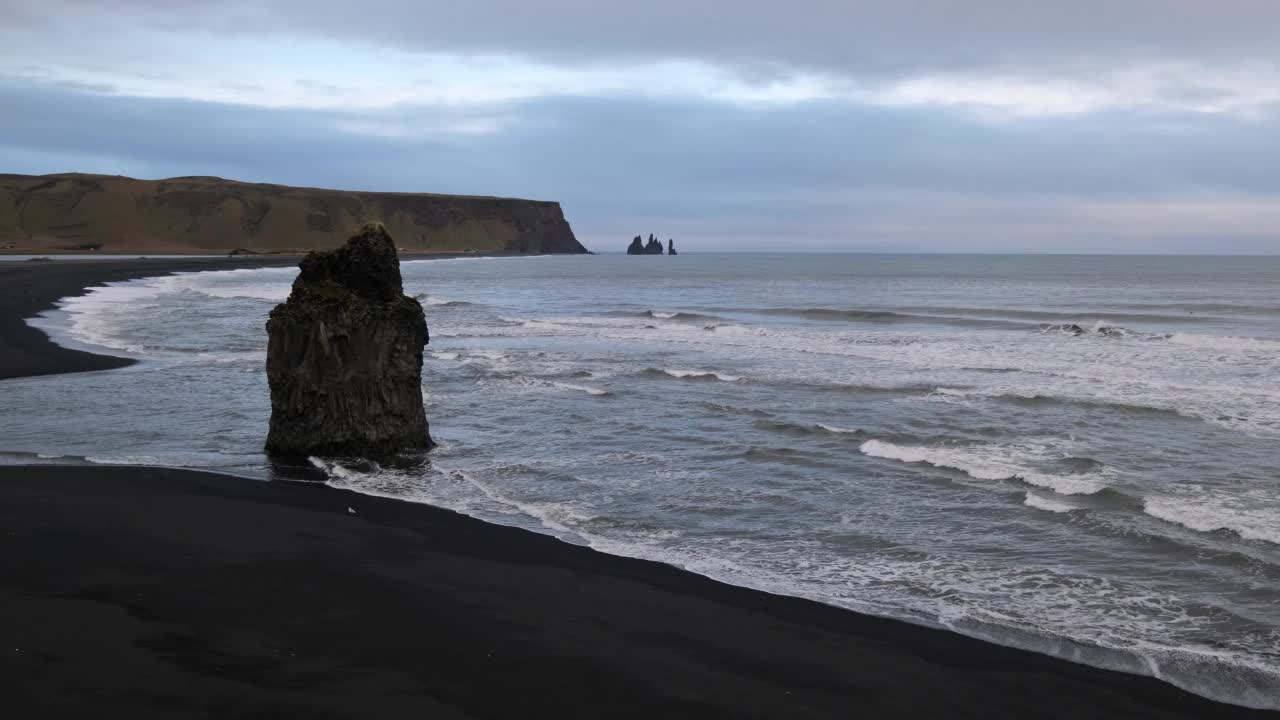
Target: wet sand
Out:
[151,592]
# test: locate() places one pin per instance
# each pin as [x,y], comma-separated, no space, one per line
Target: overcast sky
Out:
[894,125]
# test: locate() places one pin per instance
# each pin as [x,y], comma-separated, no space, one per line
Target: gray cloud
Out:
[882,37]
[816,176]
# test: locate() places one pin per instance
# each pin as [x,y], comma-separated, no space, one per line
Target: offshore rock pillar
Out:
[344,355]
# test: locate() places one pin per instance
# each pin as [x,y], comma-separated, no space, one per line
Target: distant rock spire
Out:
[654,247]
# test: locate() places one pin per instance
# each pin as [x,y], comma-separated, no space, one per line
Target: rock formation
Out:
[654,247]
[344,355]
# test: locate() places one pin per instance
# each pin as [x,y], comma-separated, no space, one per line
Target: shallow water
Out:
[905,435]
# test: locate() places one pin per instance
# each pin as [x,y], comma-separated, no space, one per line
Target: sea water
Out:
[1075,455]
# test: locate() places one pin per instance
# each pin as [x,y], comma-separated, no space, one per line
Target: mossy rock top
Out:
[366,267]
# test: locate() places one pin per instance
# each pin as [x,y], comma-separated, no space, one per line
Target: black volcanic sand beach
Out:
[148,592]
[157,593]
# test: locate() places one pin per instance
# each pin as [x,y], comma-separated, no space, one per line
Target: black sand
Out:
[136,592]
[153,593]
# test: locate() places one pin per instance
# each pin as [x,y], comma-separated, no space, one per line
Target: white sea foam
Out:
[725,377]
[1041,501]
[331,468]
[96,318]
[271,284]
[1252,516]
[1190,375]
[438,301]
[1226,343]
[125,460]
[993,462]
[558,517]
[839,430]
[445,355]
[735,330]
[580,388]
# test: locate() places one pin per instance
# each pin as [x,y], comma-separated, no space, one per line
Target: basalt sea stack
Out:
[344,355]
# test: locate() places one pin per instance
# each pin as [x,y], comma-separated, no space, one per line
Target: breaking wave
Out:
[679,316]
[691,374]
[1040,501]
[885,317]
[994,462]
[1207,513]
[437,301]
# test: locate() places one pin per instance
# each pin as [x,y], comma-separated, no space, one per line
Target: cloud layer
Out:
[987,126]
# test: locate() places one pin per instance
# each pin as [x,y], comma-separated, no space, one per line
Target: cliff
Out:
[344,355]
[76,212]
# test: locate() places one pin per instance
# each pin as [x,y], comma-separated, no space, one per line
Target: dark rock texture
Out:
[654,247]
[344,355]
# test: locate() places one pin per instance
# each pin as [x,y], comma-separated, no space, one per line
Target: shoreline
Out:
[174,592]
[30,288]
[614,635]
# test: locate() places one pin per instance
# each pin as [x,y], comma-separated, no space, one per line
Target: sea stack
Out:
[654,246]
[636,247]
[671,247]
[344,355]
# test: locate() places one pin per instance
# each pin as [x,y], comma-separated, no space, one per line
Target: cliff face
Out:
[344,355]
[201,214]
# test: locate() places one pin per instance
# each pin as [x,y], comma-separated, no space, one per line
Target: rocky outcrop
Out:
[209,214]
[653,247]
[344,355]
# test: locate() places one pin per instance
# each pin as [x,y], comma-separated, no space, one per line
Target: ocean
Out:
[1076,455]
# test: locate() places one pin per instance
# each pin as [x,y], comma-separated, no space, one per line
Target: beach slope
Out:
[147,592]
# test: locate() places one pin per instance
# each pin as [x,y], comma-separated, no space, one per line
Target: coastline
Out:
[172,591]
[30,288]
[177,592]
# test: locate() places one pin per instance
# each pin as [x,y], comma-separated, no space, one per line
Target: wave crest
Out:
[994,462]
